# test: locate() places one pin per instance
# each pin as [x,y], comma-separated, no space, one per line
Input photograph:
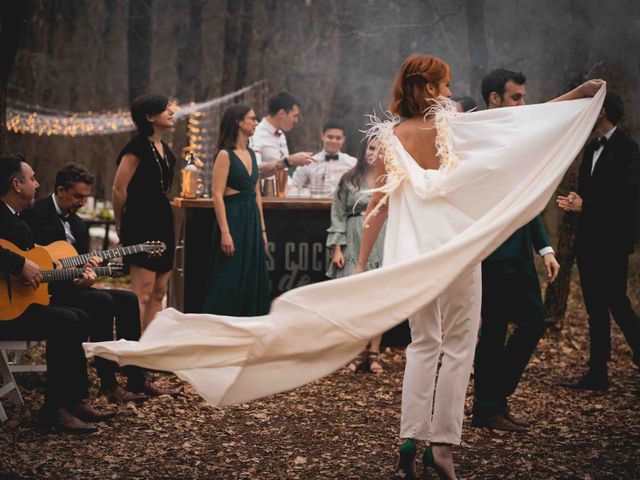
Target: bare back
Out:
[419,140]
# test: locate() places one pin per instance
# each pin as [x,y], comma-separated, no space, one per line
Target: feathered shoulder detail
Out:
[381,130]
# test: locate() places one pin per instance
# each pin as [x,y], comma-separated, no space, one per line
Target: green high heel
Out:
[406,468]
[429,461]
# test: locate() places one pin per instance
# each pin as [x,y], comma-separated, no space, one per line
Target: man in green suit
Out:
[510,293]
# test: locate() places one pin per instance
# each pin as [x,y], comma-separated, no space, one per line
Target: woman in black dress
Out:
[141,207]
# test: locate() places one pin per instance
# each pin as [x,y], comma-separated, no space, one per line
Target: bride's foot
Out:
[439,457]
[406,468]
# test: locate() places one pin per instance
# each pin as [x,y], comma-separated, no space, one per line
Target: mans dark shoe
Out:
[119,394]
[518,421]
[63,420]
[152,390]
[86,412]
[497,421]
[589,382]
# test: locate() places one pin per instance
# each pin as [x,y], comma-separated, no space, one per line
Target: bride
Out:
[411,148]
[452,194]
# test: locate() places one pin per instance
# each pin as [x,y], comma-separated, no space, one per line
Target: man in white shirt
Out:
[322,177]
[269,141]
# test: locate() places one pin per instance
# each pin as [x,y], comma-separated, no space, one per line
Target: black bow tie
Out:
[331,157]
[599,142]
[64,217]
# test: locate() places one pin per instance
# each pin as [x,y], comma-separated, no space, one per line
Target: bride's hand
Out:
[591,87]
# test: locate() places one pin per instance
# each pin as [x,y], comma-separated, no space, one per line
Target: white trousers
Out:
[449,325]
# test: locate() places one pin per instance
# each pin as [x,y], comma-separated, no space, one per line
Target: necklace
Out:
[158,158]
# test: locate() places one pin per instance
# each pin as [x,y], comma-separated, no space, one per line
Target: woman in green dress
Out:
[239,282]
[347,218]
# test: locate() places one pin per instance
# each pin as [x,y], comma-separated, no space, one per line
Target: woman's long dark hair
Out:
[229,125]
[357,173]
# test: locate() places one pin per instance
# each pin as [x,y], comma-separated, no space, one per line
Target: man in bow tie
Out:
[321,178]
[54,218]
[606,202]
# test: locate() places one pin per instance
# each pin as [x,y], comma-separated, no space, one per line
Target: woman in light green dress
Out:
[347,218]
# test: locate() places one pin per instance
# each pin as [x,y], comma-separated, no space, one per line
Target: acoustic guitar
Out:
[16,296]
[67,256]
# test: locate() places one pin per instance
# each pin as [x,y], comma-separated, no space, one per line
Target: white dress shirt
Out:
[321,178]
[65,222]
[598,151]
[268,143]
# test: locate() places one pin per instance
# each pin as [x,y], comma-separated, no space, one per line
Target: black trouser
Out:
[603,276]
[64,329]
[103,306]
[510,293]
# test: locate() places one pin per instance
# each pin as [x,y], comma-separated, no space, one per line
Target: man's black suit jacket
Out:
[13,229]
[610,197]
[47,227]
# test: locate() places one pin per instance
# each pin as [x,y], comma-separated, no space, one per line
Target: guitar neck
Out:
[53,275]
[80,260]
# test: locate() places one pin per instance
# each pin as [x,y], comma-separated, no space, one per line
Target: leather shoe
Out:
[118,394]
[518,421]
[589,382]
[497,421]
[86,412]
[65,421]
[152,390]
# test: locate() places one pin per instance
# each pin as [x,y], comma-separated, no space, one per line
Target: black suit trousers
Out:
[64,329]
[103,307]
[510,293]
[604,288]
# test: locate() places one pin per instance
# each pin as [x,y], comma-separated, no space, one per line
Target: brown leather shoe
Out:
[86,412]
[518,421]
[65,421]
[119,394]
[497,421]
[152,390]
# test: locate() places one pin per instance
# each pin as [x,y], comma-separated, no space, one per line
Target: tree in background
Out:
[139,30]
[13,19]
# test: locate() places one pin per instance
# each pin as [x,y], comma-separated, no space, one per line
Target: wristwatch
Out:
[286,162]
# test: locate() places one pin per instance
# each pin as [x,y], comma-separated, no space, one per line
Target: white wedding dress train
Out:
[509,162]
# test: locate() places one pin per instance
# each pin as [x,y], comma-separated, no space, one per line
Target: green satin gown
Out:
[239,285]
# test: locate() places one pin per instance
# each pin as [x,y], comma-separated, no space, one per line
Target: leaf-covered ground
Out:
[345,427]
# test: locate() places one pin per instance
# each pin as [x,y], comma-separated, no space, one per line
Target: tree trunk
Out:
[246,37]
[230,55]
[13,19]
[139,31]
[477,41]
[189,59]
[557,294]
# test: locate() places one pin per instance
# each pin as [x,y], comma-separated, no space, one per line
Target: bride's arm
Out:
[587,89]
[374,223]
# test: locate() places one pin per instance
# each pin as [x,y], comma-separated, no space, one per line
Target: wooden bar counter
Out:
[296,255]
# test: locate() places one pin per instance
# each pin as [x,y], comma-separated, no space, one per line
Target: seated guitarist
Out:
[54,218]
[64,328]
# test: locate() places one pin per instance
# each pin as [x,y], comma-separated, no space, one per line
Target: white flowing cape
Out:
[510,162]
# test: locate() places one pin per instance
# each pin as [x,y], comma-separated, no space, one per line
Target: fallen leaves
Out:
[346,426]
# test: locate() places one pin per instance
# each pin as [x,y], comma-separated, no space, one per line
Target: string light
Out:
[42,121]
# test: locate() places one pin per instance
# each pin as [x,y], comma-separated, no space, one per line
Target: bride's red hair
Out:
[409,96]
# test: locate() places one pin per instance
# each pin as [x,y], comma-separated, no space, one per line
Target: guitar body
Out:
[15,296]
[60,249]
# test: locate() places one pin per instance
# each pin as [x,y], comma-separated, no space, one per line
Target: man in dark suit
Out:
[54,218]
[510,293]
[63,328]
[606,202]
